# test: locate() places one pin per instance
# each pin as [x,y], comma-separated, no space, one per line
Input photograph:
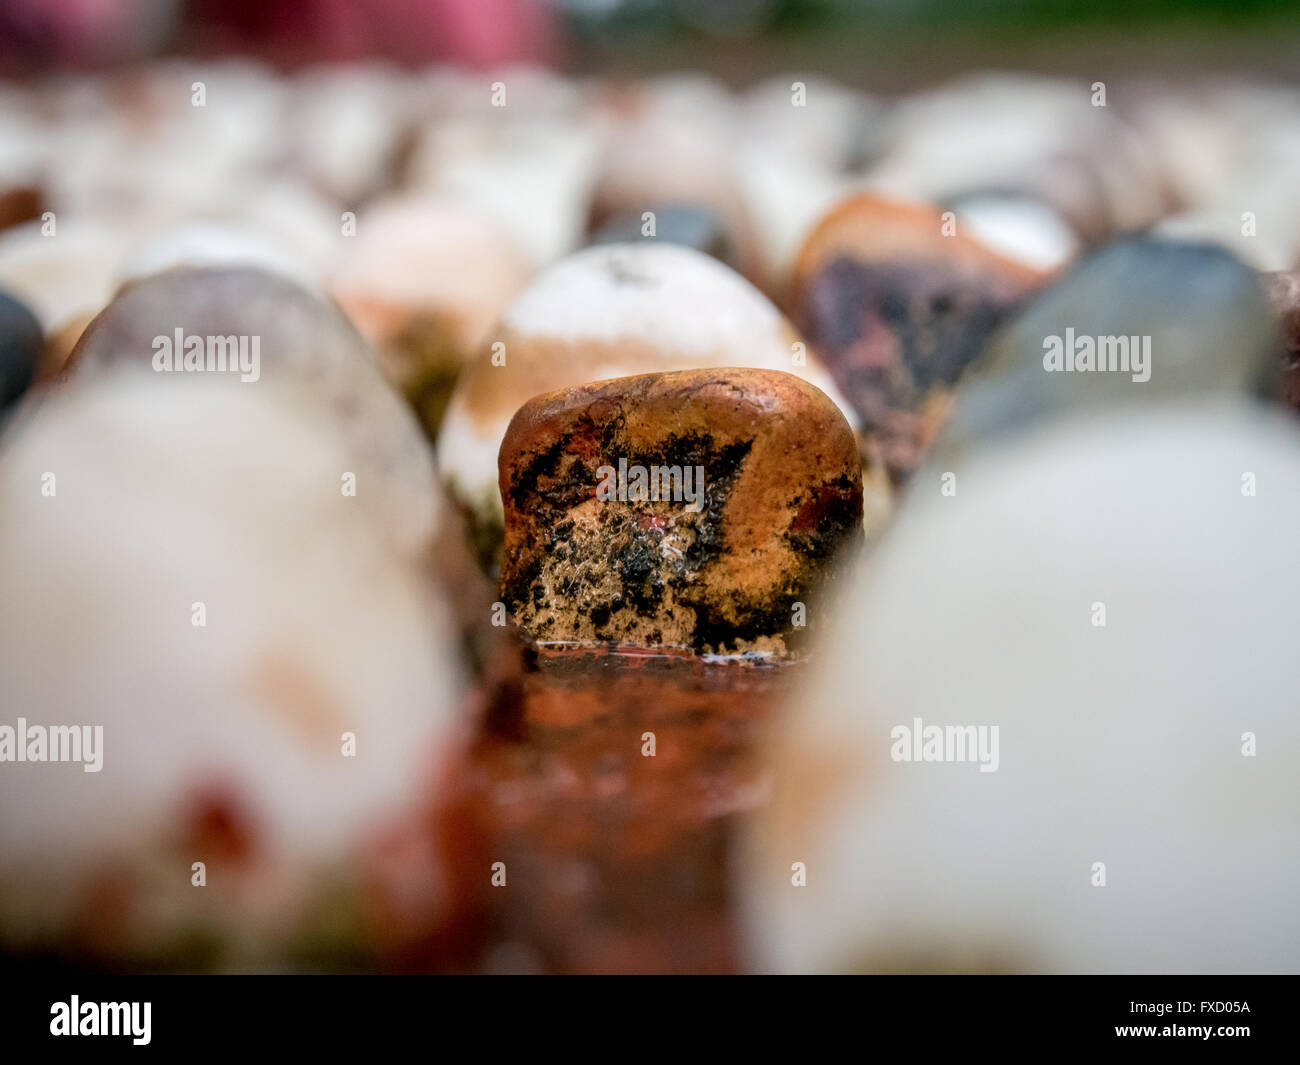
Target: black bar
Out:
[450,1015]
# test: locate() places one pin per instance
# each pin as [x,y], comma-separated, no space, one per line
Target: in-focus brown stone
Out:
[612,310]
[898,303]
[751,485]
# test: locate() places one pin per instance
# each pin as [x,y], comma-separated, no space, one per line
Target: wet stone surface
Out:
[615,859]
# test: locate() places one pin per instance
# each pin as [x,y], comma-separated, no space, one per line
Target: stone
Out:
[897,311]
[720,567]
[1125,744]
[1023,228]
[225,742]
[21,346]
[1284,293]
[307,347]
[687,224]
[425,281]
[608,311]
[1201,313]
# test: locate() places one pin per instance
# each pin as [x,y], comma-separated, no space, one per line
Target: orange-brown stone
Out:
[752,485]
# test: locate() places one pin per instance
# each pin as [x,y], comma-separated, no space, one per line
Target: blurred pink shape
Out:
[473,32]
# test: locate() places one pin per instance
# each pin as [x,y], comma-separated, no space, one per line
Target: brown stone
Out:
[897,310]
[604,312]
[720,567]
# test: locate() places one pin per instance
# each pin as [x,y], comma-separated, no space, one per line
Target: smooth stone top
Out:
[305,345]
[1202,315]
